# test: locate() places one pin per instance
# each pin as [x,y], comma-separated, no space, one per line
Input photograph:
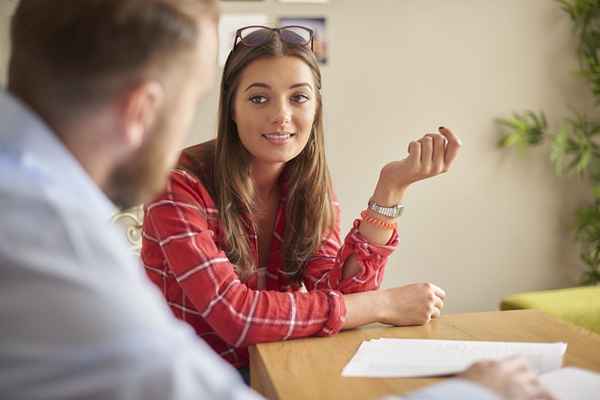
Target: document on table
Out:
[412,358]
[572,384]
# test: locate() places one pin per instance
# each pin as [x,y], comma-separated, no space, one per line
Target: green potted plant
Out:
[575,146]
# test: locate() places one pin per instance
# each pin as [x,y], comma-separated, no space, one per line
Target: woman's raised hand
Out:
[429,156]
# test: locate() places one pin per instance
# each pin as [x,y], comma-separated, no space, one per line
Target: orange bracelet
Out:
[379,223]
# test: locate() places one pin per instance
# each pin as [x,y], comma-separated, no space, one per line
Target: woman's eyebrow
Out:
[303,84]
[258,84]
[265,86]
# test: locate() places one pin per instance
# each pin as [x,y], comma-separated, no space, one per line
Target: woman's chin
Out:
[278,157]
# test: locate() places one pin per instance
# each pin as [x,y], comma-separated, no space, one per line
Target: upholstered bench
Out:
[579,305]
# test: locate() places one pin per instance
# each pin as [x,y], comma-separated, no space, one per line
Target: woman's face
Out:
[274,108]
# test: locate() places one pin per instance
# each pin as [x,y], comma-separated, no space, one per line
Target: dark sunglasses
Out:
[257,35]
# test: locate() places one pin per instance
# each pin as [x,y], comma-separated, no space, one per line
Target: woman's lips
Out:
[278,137]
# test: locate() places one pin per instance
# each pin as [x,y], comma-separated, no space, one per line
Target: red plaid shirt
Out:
[182,252]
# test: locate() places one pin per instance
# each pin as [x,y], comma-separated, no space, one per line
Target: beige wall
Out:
[6,7]
[496,224]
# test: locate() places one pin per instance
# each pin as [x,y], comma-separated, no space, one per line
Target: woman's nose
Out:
[282,117]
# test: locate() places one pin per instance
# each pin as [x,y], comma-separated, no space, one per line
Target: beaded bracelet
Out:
[379,223]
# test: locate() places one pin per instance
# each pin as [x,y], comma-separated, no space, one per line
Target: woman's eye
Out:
[300,98]
[258,99]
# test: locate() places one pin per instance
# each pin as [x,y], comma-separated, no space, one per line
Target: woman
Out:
[249,221]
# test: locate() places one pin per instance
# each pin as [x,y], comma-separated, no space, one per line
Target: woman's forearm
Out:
[386,197]
[363,308]
[372,233]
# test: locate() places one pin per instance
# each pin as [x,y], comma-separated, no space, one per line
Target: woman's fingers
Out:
[435,313]
[439,153]
[438,303]
[438,291]
[427,157]
[414,151]
[452,147]
[426,153]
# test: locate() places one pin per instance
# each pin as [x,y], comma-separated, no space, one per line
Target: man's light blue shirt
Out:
[78,317]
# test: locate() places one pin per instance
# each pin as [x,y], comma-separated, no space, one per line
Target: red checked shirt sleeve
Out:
[325,269]
[241,316]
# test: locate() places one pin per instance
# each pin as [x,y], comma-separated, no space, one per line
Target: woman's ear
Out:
[141,107]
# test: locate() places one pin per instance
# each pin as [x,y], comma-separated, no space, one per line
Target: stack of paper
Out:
[409,358]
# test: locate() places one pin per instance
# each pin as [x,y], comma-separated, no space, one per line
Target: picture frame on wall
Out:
[319,26]
[304,1]
[229,24]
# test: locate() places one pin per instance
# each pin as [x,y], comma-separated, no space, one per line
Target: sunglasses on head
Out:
[257,35]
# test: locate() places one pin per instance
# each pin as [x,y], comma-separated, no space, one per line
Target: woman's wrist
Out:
[381,305]
[387,196]
[363,308]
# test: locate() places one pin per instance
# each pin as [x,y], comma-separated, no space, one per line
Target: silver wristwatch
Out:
[389,212]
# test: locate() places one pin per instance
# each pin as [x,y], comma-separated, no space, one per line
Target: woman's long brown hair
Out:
[309,215]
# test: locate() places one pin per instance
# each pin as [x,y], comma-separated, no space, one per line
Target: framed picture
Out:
[304,1]
[318,25]
[229,24]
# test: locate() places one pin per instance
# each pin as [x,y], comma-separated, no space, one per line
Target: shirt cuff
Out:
[372,257]
[337,314]
[364,249]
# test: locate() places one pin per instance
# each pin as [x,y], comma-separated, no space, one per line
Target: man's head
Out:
[117,80]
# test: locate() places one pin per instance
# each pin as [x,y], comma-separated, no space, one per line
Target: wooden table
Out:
[311,368]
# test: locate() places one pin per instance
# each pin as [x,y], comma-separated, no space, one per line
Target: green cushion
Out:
[580,305]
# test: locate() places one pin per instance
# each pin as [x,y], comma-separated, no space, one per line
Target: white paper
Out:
[572,384]
[411,358]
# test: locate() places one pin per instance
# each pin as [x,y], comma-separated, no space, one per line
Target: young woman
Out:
[245,243]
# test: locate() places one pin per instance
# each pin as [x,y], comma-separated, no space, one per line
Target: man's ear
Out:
[140,109]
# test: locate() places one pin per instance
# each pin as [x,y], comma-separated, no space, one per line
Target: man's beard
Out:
[143,175]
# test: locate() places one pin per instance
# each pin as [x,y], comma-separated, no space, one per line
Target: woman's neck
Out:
[265,177]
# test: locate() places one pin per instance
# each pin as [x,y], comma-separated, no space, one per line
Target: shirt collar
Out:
[26,140]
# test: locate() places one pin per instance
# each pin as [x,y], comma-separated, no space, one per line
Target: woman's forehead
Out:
[277,72]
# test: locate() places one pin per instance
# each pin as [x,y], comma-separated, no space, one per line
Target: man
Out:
[101,93]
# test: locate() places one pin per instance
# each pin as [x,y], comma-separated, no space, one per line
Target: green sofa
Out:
[579,305]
